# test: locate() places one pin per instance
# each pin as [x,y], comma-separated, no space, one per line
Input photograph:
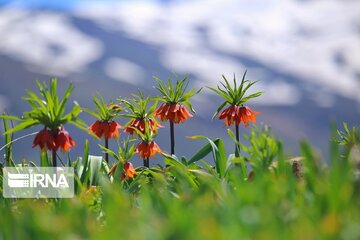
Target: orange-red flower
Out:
[247,114]
[129,171]
[139,124]
[105,129]
[63,140]
[45,140]
[234,114]
[147,150]
[173,112]
[231,115]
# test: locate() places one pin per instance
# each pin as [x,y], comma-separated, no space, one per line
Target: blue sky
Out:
[65,4]
[62,4]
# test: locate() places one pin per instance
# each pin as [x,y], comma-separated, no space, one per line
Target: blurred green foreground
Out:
[301,198]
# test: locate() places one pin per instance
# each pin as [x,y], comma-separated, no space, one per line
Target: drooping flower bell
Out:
[147,150]
[105,126]
[247,115]
[129,171]
[234,114]
[139,124]
[63,140]
[231,115]
[105,129]
[45,140]
[175,113]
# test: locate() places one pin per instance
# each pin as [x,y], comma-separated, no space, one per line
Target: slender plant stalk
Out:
[54,158]
[237,147]
[172,138]
[146,162]
[8,143]
[107,147]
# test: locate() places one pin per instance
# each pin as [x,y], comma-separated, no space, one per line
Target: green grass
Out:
[190,199]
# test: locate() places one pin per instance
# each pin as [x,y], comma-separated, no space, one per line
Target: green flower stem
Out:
[172,138]
[146,162]
[237,134]
[106,153]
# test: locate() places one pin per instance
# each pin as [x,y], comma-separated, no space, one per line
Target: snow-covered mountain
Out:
[306,54]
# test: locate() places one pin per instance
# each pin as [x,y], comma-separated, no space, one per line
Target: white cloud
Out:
[278,93]
[207,66]
[124,70]
[290,37]
[276,40]
[204,38]
[46,42]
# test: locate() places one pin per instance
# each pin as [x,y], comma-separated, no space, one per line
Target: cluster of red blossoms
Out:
[53,141]
[235,114]
[147,150]
[105,129]
[139,124]
[175,113]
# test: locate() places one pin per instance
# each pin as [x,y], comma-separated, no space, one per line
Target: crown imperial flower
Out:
[129,171]
[46,140]
[175,99]
[147,150]
[235,97]
[141,115]
[175,113]
[48,110]
[63,140]
[105,129]
[234,114]
[139,124]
